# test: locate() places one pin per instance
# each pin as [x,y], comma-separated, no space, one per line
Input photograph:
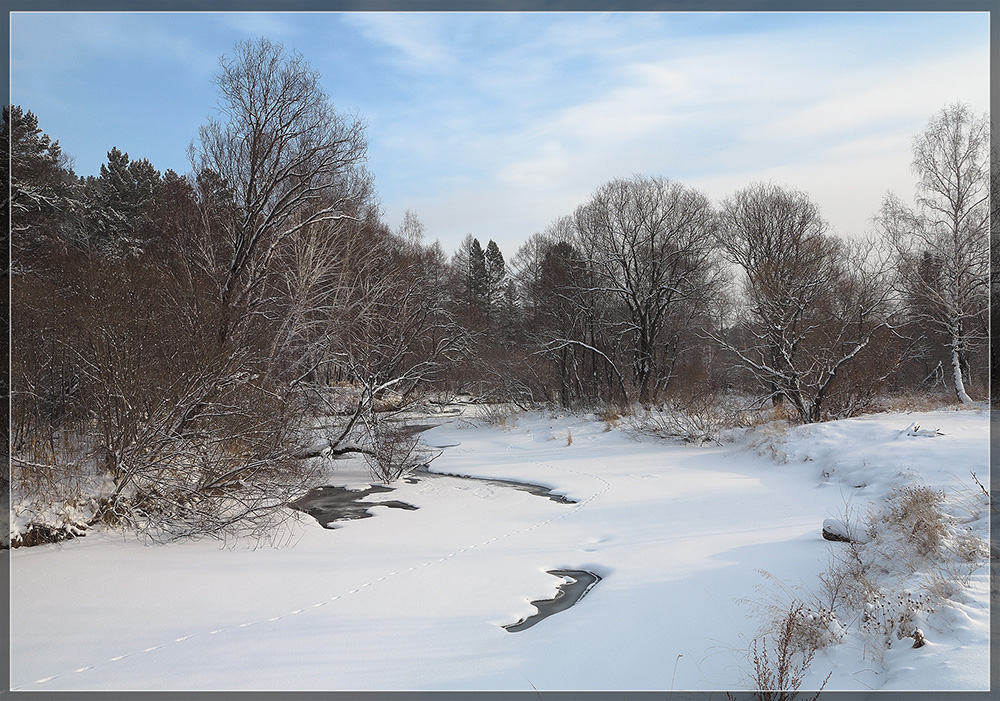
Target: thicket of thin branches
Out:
[179,340]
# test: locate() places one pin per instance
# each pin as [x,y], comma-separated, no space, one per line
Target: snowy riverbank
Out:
[679,536]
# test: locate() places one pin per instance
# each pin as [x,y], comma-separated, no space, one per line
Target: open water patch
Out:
[576,586]
[330,504]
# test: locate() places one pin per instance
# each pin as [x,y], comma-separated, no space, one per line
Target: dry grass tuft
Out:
[499,415]
[915,401]
[914,511]
[766,440]
[611,416]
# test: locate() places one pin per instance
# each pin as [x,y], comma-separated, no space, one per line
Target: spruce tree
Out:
[472,260]
[495,272]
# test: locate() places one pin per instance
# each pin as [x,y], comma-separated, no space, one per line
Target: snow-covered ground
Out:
[681,535]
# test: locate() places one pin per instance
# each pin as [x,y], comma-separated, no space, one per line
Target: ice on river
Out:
[418,599]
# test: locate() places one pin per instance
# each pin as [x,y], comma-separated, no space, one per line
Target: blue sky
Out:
[497,123]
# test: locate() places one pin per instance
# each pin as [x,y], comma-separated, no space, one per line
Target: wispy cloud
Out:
[497,123]
[829,112]
[415,38]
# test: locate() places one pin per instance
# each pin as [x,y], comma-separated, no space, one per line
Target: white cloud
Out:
[801,108]
[848,191]
[863,98]
[413,35]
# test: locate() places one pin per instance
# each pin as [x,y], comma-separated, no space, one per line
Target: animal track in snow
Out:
[525,529]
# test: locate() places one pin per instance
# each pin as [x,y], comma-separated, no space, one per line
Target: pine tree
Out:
[121,201]
[41,183]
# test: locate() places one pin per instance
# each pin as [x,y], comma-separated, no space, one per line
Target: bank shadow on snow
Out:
[575,586]
[536,489]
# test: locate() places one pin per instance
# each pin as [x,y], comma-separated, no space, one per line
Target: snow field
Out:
[416,600]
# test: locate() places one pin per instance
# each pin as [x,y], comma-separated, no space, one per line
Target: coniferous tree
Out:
[469,266]
[494,277]
[41,185]
[120,203]
[477,280]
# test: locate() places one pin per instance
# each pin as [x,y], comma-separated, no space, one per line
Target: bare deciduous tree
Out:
[812,302]
[288,158]
[189,384]
[649,241]
[942,245]
[567,318]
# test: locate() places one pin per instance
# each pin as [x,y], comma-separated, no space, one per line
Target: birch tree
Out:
[942,243]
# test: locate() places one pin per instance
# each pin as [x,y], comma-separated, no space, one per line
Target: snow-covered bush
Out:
[701,418]
[811,628]
[894,617]
[55,490]
[917,553]
[35,522]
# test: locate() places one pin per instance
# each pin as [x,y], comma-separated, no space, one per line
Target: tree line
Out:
[189,336]
[649,290]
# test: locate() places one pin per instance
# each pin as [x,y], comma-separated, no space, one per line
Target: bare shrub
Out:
[850,582]
[54,469]
[393,450]
[695,418]
[915,401]
[778,669]
[811,628]
[501,415]
[986,493]
[812,625]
